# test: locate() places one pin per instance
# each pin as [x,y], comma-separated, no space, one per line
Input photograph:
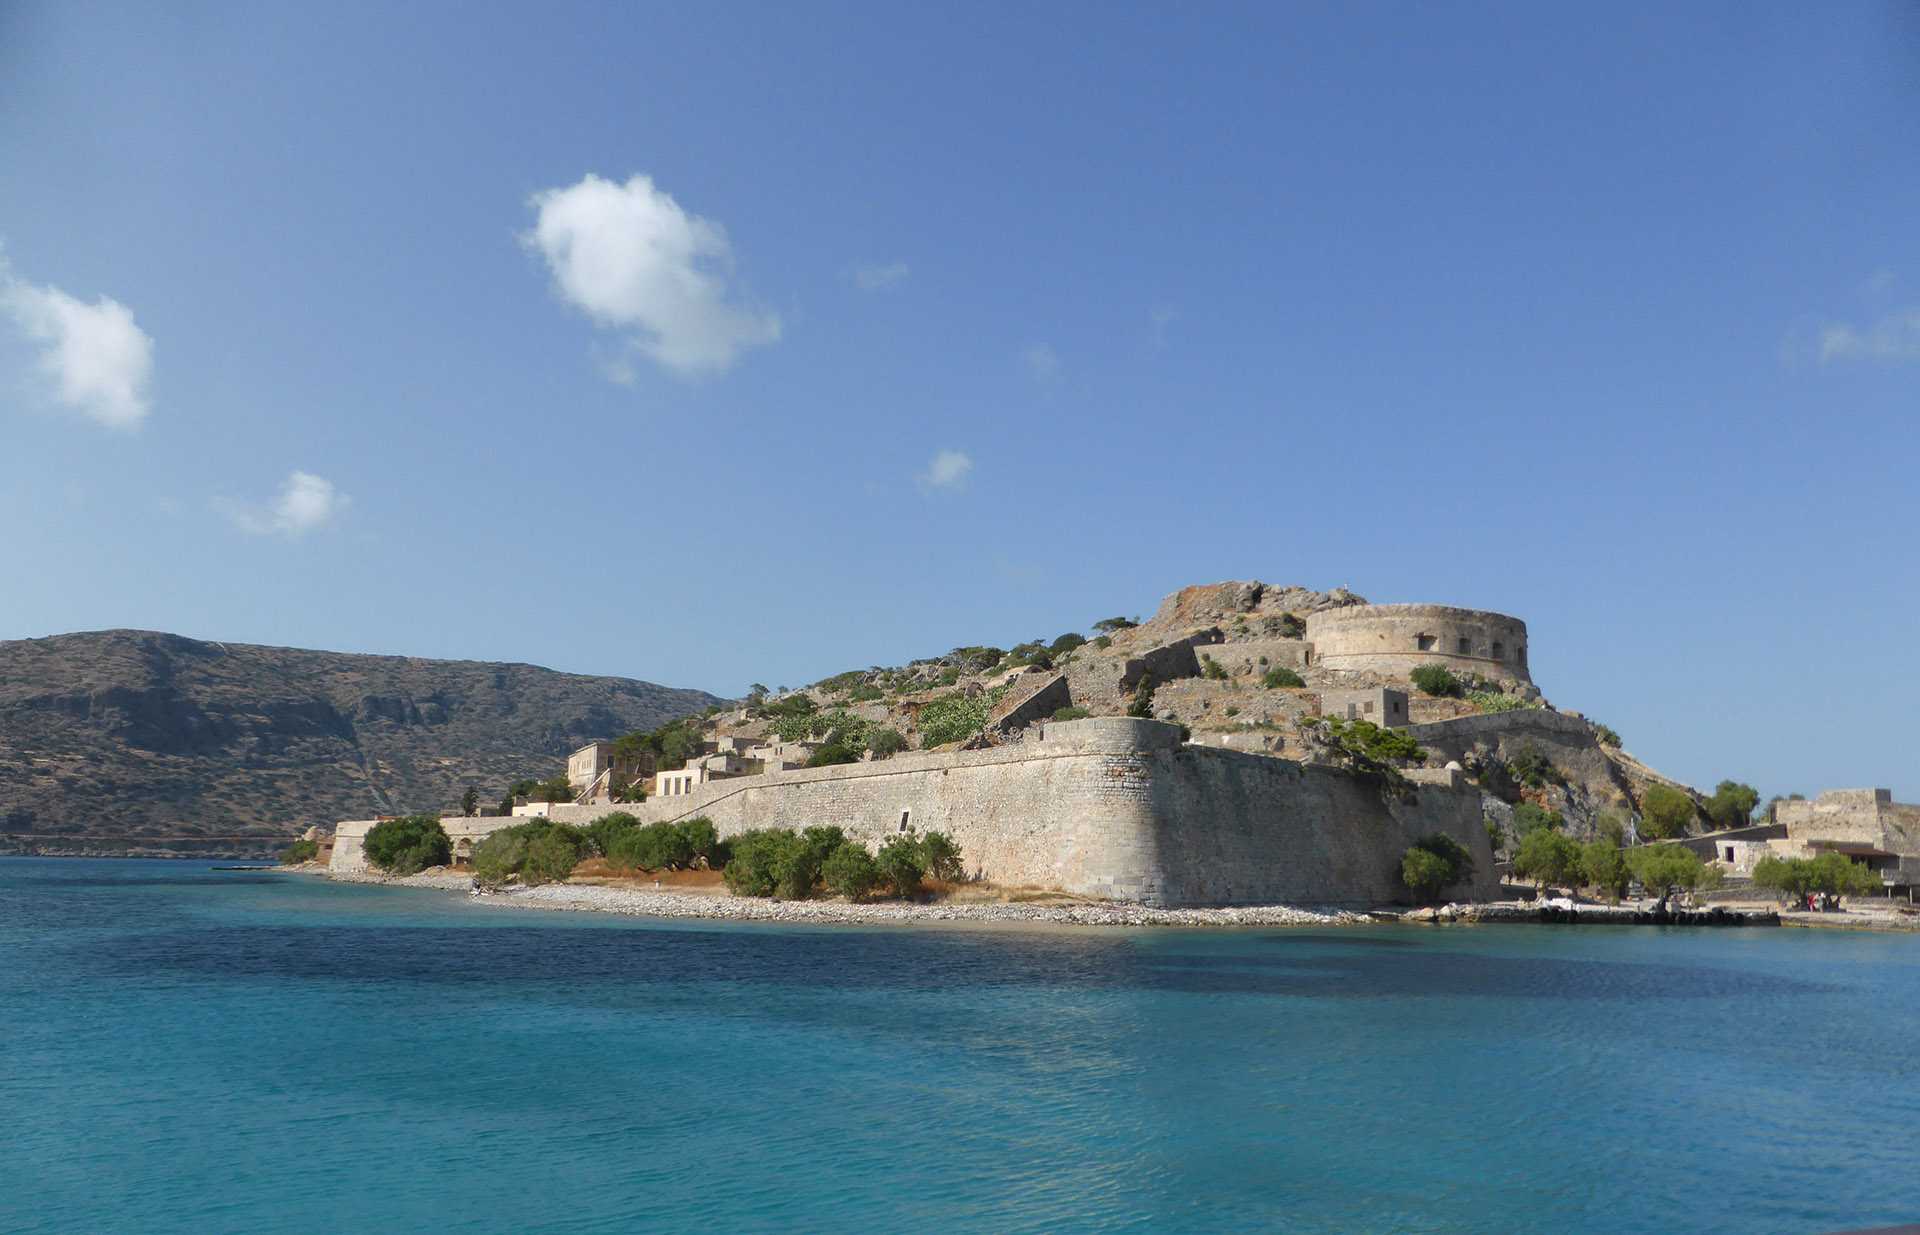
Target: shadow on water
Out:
[1321,968]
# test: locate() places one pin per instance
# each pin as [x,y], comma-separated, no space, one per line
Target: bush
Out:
[1527,817]
[606,831]
[407,845]
[1282,678]
[1141,706]
[1663,868]
[1666,811]
[1605,734]
[298,852]
[1432,863]
[1437,680]
[1832,875]
[1067,643]
[1732,804]
[537,851]
[1548,857]
[1103,642]
[1072,713]
[1495,701]
[701,840]
[940,856]
[952,718]
[850,871]
[901,864]
[832,754]
[1107,626]
[657,846]
[1604,866]
[1533,769]
[884,742]
[1212,669]
[751,860]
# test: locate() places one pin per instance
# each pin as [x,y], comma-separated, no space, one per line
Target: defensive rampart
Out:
[1107,807]
[1396,639]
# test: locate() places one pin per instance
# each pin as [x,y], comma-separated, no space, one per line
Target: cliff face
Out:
[113,740]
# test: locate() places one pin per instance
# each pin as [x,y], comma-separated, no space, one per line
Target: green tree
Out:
[1067,643]
[1281,678]
[701,840]
[940,856]
[1071,713]
[1141,705]
[1732,804]
[408,844]
[1549,858]
[1528,816]
[1437,680]
[850,871]
[1665,869]
[1604,866]
[299,851]
[833,754]
[556,788]
[901,864]
[1108,626]
[655,847]
[1605,734]
[552,854]
[1665,812]
[470,801]
[883,742]
[606,831]
[752,858]
[1829,876]
[1434,862]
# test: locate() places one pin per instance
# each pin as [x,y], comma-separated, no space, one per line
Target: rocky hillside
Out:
[133,741]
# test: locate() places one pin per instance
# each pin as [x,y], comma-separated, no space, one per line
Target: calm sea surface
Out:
[188,1050]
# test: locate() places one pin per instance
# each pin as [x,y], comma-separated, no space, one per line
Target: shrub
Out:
[833,753]
[1072,713]
[850,871]
[408,844]
[1547,856]
[1666,811]
[796,865]
[884,742]
[1533,769]
[952,718]
[1432,863]
[1282,678]
[1832,875]
[658,846]
[1663,868]
[1141,706]
[1495,701]
[1527,817]
[701,839]
[538,851]
[299,851]
[940,856]
[1233,711]
[1103,642]
[1605,734]
[556,788]
[1212,669]
[606,831]
[901,864]
[751,860]
[1067,643]
[1604,866]
[1292,626]
[1107,626]
[1732,804]
[1437,680]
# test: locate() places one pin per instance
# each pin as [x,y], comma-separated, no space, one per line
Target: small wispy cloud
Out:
[1161,319]
[1893,339]
[874,277]
[305,502]
[97,360]
[1042,361]
[948,470]
[632,260]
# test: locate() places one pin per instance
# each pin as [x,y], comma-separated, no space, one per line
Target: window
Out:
[1369,708]
[1499,650]
[1729,853]
[1466,647]
[1424,642]
[904,816]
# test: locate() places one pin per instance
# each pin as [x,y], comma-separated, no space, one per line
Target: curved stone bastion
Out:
[1109,807]
[1396,639]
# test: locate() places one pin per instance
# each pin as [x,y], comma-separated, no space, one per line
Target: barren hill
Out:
[126,740]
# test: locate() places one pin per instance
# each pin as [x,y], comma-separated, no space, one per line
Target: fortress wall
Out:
[1246,656]
[1109,807]
[1568,742]
[1387,639]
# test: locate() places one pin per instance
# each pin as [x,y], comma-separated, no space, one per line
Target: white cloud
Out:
[630,258]
[1894,338]
[873,278]
[98,361]
[1043,362]
[949,470]
[305,502]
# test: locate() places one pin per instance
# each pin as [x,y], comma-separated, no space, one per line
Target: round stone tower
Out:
[1393,640]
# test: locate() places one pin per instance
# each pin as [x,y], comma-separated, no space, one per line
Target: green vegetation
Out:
[470,801]
[841,683]
[672,743]
[1102,642]
[1732,804]
[1495,701]
[833,753]
[298,852]
[1549,858]
[941,855]
[1603,865]
[1071,713]
[1067,643]
[850,871]
[902,864]
[1605,734]
[952,718]
[1282,678]
[1212,669]
[884,741]
[1667,868]
[536,852]
[408,844]
[1140,707]
[1292,626]
[1829,876]
[1527,817]
[1108,626]
[781,862]
[606,831]
[1665,812]
[1533,769]
[1437,680]
[1434,862]
[1369,750]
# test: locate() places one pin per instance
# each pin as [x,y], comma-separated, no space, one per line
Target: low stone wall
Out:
[1256,656]
[1108,807]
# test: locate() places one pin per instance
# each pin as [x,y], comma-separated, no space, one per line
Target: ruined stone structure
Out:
[1110,807]
[1393,640]
[1866,825]
[1382,705]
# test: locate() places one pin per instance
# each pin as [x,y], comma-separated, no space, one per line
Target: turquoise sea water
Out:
[189,1050]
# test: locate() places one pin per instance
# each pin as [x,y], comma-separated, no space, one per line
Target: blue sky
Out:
[714,344]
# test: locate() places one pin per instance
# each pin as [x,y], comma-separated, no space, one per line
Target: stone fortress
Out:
[1225,797]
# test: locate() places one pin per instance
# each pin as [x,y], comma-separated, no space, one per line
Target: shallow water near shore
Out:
[191,1050]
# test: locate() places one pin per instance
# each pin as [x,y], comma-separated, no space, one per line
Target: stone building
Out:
[1393,640]
[595,772]
[1383,705]
[1866,825]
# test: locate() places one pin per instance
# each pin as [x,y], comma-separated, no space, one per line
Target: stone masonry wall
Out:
[1108,807]
[1386,639]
